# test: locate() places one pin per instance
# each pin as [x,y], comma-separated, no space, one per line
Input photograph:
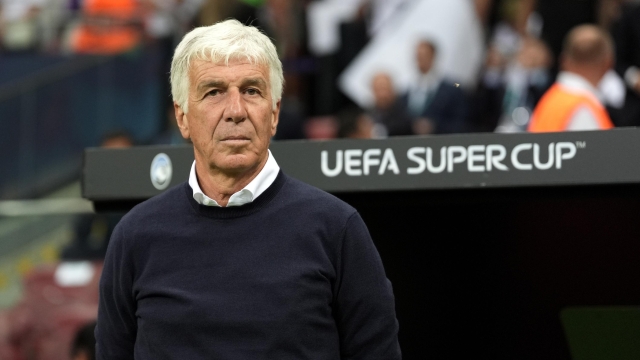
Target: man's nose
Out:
[235,108]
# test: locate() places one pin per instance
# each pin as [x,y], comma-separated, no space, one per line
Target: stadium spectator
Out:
[169,19]
[19,24]
[355,124]
[554,19]
[509,90]
[572,103]
[54,17]
[108,27]
[389,113]
[488,97]
[436,103]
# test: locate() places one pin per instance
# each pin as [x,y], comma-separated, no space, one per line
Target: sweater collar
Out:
[237,211]
[249,193]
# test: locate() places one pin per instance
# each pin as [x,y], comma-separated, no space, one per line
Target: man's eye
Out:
[252,92]
[214,92]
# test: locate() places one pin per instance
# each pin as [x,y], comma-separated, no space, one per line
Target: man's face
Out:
[231,117]
[424,57]
[383,93]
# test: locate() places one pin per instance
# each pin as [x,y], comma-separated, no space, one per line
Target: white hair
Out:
[220,43]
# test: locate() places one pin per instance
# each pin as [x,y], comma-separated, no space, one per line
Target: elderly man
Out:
[241,261]
[573,103]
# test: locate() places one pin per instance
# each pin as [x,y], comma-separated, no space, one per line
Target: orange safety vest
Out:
[116,8]
[109,40]
[553,112]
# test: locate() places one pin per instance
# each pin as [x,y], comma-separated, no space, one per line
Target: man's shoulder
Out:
[309,196]
[165,204]
[448,86]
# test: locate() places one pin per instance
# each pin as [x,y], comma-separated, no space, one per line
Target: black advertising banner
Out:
[404,163]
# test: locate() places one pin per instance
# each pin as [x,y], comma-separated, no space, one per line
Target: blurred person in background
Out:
[489,95]
[19,24]
[169,20]
[389,114]
[503,31]
[551,20]
[54,18]
[509,89]
[355,124]
[107,27]
[573,102]
[437,104]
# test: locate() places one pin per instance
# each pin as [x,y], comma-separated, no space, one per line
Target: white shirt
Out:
[582,118]
[248,194]
[425,87]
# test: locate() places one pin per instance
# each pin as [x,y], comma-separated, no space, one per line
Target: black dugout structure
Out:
[485,237]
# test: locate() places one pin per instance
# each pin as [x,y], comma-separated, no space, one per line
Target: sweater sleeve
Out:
[364,306]
[117,326]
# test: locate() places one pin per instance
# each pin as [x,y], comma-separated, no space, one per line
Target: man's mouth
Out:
[235,138]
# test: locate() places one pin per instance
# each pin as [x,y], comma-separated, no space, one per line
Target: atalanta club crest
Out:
[161,171]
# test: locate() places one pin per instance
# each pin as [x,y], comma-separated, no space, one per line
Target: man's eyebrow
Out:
[210,84]
[255,82]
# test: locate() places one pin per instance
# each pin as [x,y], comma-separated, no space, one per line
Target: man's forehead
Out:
[207,71]
[204,64]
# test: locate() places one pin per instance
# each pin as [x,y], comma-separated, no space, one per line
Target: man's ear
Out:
[183,122]
[275,118]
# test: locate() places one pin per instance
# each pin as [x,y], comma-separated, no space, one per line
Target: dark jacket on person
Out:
[446,107]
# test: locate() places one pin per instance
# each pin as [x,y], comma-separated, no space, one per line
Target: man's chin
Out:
[238,163]
[233,143]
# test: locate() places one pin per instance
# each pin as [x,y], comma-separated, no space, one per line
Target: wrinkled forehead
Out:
[201,63]
[230,58]
[202,67]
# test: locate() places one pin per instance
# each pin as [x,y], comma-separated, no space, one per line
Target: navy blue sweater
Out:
[292,275]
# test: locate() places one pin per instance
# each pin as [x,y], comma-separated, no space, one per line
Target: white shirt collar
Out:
[577,83]
[427,82]
[248,194]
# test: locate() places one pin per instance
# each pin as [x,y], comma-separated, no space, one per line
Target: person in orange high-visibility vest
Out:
[572,103]
[109,27]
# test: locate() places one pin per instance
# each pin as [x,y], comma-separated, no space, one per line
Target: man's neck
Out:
[220,185]
[592,76]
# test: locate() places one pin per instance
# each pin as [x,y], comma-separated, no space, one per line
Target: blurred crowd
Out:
[323,42]
[91,26]
[527,47]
